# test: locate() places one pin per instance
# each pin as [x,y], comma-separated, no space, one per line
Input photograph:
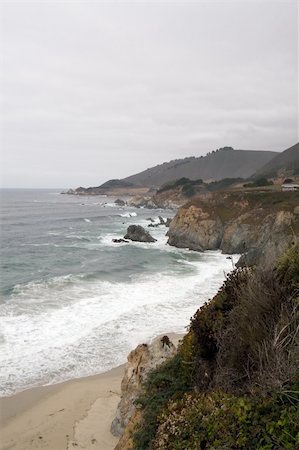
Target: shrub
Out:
[168,381]
[188,190]
[221,421]
[237,366]
[260,182]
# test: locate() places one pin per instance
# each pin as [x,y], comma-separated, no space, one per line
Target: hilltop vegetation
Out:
[283,164]
[223,163]
[217,165]
[234,381]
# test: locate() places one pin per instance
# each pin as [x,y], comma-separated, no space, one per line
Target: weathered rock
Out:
[195,229]
[168,222]
[140,362]
[126,440]
[249,258]
[139,234]
[139,201]
[120,241]
[258,225]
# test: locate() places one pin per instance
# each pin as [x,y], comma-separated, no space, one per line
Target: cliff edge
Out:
[250,223]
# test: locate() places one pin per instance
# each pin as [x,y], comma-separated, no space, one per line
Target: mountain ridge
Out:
[286,161]
[216,165]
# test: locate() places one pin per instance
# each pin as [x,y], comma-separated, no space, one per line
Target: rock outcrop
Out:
[255,224]
[139,234]
[141,361]
[120,202]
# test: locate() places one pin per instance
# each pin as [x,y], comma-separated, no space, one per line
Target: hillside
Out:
[285,163]
[219,164]
[233,383]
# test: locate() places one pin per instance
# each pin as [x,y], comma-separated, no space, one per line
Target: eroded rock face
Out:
[144,358]
[259,226]
[139,234]
[195,229]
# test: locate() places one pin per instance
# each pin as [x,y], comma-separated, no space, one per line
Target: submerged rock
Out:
[141,361]
[139,234]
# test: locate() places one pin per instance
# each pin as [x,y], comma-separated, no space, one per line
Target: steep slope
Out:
[222,163]
[258,223]
[286,163]
[233,383]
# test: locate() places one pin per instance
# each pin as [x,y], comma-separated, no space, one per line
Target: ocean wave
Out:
[74,326]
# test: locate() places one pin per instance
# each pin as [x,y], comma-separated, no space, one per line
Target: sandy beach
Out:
[76,414]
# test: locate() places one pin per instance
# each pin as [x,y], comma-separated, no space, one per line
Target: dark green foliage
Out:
[184,183]
[222,421]
[169,381]
[259,182]
[241,358]
[188,190]
[288,267]
[223,184]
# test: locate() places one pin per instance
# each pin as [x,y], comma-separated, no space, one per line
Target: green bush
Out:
[288,266]
[188,190]
[183,182]
[169,381]
[260,182]
[237,366]
[221,421]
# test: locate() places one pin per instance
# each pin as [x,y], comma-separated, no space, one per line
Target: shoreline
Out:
[73,414]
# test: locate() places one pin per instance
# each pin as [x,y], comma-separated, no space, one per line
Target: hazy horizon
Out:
[68,187]
[94,91]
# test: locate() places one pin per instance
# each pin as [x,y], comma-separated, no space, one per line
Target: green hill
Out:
[285,163]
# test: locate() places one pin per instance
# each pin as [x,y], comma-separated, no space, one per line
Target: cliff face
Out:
[254,223]
[140,362]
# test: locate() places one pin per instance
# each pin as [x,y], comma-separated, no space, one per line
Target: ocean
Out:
[73,303]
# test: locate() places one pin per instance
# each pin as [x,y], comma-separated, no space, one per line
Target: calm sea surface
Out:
[72,302]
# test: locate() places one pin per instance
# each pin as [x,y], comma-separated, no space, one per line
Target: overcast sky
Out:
[94,90]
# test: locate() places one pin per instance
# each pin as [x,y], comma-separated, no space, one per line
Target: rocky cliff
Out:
[254,223]
[140,362]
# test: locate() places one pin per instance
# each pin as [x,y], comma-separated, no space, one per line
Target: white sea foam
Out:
[87,220]
[72,327]
[128,214]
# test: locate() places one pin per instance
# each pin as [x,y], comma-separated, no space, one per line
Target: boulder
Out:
[120,202]
[139,234]
[141,361]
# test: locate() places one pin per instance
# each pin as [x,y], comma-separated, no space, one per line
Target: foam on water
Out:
[70,327]
[75,303]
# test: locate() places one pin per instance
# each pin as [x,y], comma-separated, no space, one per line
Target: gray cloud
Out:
[98,90]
